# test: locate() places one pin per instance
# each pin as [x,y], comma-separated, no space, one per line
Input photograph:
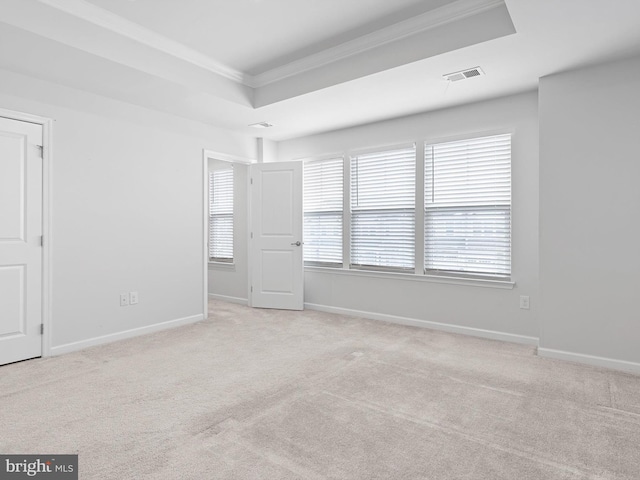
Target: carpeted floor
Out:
[264,394]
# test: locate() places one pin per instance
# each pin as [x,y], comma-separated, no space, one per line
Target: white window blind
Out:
[383,209]
[468,206]
[221,215]
[323,197]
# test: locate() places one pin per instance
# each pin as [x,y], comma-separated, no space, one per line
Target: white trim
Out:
[450,280]
[231,266]
[205,233]
[47,211]
[250,235]
[420,23]
[451,12]
[319,158]
[414,322]
[226,298]
[114,337]
[351,153]
[226,157]
[47,233]
[593,360]
[470,135]
[419,246]
[121,26]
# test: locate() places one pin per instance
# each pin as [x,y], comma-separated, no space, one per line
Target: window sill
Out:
[231,267]
[450,280]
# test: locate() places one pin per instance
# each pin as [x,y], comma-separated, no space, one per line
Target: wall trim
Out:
[98,16]
[134,332]
[121,26]
[414,277]
[593,360]
[226,157]
[449,13]
[414,322]
[226,298]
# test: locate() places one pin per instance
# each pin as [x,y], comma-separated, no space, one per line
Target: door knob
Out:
[297,244]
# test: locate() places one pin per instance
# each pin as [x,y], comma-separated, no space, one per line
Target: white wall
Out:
[471,307]
[230,282]
[127,209]
[590,213]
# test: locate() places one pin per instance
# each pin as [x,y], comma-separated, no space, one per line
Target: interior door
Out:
[277,276]
[20,240]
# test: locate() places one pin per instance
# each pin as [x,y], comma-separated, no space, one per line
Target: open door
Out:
[20,240]
[277,276]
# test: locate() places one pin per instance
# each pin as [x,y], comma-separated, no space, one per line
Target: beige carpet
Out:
[263,394]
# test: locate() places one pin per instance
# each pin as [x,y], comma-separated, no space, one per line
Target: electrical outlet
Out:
[133,298]
[124,299]
[524,302]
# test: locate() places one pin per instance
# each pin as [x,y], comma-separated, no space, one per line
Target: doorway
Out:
[24,237]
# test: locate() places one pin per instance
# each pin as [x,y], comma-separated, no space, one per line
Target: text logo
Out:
[49,467]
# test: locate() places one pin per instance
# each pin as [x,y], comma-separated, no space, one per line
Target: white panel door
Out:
[276,247]
[20,240]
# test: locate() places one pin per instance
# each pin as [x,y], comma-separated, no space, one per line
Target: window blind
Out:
[468,206]
[221,215]
[383,209]
[323,205]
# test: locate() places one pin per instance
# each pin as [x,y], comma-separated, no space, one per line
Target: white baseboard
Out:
[414,322]
[225,298]
[611,363]
[134,332]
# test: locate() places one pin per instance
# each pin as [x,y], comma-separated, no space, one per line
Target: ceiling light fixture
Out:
[464,74]
[261,125]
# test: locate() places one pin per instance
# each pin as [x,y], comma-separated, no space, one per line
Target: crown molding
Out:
[116,24]
[434,18]
[103,18]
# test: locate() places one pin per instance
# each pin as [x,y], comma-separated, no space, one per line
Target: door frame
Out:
[225,157]
[47,178]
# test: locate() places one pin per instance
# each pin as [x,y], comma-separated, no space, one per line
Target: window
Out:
[221,214]
[323,204]
[383,209]
[468,206]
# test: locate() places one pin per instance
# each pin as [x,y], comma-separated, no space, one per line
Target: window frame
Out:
[470,207]
[317,160]
[420,273]
[397,210]
[222,261]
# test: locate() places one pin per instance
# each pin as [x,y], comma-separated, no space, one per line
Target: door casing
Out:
[47,160]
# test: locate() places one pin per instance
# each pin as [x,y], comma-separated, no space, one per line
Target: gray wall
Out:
[471,307]
[590,211]
[127,210]
[230,282]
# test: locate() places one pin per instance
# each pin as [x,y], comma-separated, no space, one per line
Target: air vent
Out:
[261,125]
[464,74]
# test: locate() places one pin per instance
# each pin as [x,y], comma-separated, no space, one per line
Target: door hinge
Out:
[40,150]
[42,240]
[251,234]
[251,181]
[42,329]
[251,288]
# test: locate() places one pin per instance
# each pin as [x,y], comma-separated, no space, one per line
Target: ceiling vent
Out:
[261,125]
[464,74]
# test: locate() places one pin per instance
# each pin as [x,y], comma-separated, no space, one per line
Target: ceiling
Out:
[256,35]
[308,66]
